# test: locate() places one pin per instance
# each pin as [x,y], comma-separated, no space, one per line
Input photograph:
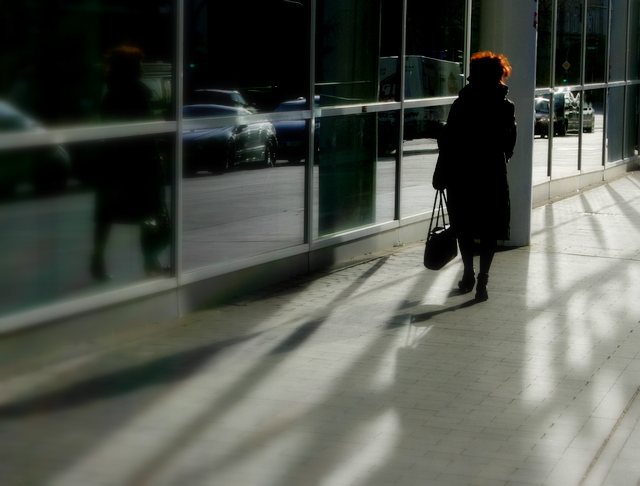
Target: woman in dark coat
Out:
[475,146]
[130,179]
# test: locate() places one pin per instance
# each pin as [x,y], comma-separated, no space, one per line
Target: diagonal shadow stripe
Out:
[161,371]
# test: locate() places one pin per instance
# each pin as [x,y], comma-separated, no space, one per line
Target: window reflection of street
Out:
[565,153]
[418,164]
[242,213]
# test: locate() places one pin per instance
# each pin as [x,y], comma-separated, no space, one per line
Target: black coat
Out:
[475,146]
[129,186]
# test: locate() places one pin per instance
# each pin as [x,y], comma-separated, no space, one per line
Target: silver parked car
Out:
[222,148]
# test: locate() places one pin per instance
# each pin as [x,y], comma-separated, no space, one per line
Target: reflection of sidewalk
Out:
[418,146]
[374,373]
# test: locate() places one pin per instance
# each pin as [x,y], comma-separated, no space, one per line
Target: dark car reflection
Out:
[541,125]
[221,148]
[291,134]
[566,117]
[224,97]
[47,169]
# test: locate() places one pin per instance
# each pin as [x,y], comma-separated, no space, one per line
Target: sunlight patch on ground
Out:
[386,429]
[537,359]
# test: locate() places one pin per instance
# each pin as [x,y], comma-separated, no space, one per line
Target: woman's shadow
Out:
[416,319]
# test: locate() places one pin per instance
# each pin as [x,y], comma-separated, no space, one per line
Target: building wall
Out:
[344,176]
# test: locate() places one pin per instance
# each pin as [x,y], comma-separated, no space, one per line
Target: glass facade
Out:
[587,62]
[155,142]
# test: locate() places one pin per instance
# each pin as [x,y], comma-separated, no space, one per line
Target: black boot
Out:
[481,290]
[468,281]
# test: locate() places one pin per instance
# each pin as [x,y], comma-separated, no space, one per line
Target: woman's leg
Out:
[468,277]
[487,251]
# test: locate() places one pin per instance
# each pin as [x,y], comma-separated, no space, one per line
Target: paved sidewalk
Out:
[377,373]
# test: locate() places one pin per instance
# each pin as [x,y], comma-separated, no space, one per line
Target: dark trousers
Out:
[487,250]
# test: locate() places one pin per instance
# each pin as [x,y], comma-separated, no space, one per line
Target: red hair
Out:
[124,62]
[490,66]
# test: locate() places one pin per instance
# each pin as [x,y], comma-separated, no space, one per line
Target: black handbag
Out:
[441,246]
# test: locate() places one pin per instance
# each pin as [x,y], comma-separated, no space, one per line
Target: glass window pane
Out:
[390,43]
[597,24]
[82,218]
[593,122]
[238,200]
[248,56]
[435,48]
[566,112]
[347,51]
[634,41]
[347,173]
[615,124]
[618,40]
[568,43]
[631,124]
[545,26]
[60,62]
[419,158]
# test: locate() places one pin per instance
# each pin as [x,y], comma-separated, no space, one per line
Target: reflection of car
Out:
[222,97]
[567,113]
[588,118]
[221,148]
[541,126]
[425,77]
[46,168]
[292,133]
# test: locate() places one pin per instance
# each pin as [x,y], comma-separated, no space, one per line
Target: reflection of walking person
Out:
[475,146]
[130,179]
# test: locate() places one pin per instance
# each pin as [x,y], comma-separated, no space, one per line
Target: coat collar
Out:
[482,90]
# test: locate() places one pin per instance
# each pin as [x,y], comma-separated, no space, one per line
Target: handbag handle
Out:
[437,202]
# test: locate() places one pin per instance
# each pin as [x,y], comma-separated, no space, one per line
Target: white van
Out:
[425,77]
